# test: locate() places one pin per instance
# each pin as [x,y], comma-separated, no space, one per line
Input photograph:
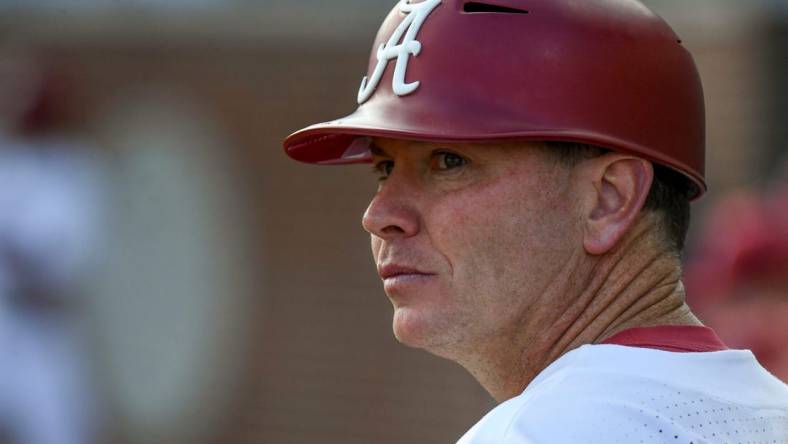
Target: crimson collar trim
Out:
[674,338]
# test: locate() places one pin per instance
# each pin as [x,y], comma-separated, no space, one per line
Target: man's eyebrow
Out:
[376,150]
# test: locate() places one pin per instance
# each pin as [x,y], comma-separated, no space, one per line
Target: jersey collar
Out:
[674,338]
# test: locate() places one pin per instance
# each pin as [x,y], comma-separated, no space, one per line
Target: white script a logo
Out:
[392,49]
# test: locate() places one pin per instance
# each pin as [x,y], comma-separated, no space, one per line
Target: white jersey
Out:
[610,394]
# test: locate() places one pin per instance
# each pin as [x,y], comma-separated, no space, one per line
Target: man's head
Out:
[519,142]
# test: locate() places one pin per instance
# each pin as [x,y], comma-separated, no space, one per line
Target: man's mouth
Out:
[393,271]
[398,277]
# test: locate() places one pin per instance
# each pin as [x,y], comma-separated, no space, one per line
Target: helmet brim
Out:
[346,141]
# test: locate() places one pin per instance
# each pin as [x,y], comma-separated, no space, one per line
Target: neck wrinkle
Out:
[635,285]
[570,325]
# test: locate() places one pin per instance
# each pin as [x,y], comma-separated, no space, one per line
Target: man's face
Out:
[467,237]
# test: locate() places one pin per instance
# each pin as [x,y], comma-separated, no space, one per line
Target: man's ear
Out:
[616,188]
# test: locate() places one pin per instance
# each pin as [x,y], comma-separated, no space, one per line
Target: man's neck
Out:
[638,285]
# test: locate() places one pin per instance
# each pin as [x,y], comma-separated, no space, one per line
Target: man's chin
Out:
[414,329]
[410,327]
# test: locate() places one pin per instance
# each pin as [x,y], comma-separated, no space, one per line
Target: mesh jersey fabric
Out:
[618,394]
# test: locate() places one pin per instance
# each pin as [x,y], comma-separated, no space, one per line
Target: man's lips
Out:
[391,271]
[399,278]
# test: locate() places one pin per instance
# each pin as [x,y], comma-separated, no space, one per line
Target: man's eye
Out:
[448,161]
[383,168]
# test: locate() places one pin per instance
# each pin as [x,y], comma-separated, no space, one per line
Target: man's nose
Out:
[391,213]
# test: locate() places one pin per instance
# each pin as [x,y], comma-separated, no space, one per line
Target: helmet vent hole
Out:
[477,7]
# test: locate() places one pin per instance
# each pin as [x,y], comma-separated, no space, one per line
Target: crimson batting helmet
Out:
[609,73]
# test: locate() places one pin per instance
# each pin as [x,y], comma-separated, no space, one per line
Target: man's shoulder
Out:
[567,406]
[587,399]
[564,394]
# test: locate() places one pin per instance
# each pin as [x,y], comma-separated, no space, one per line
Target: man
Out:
[536,163]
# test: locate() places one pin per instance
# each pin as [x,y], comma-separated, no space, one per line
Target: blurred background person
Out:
[738,275]
[50,203]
